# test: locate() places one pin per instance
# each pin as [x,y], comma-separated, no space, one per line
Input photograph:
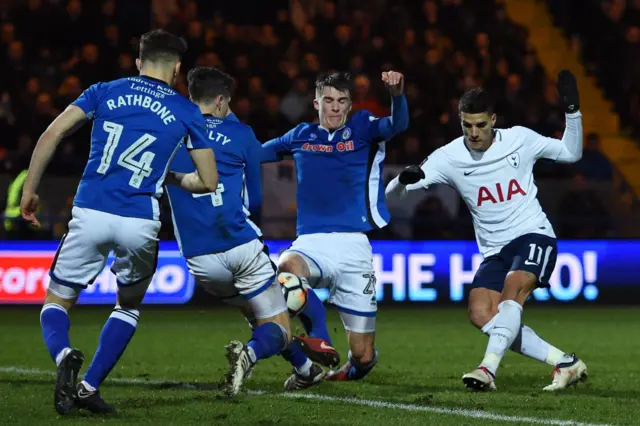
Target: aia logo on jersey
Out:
[514,160]
[486,194]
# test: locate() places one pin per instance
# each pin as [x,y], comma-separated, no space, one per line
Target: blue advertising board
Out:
[407,271]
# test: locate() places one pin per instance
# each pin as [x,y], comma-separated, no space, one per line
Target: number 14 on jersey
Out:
[141,168]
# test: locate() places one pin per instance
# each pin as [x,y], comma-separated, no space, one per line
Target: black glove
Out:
[568,91]
[411,174]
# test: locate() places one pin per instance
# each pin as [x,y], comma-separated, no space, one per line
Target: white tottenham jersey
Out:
[497,185]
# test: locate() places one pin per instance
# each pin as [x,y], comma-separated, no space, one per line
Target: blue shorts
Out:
[535,253]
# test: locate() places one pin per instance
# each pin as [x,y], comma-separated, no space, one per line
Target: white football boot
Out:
[479,380]
[569,371]
[240,366]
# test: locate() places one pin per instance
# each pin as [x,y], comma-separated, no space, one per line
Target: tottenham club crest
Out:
[514,160]
[346,134]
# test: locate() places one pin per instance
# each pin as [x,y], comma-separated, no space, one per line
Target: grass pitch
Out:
[423,354]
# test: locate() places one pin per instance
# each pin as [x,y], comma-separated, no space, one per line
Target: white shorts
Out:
[92,235]
[244,274]
[343,262]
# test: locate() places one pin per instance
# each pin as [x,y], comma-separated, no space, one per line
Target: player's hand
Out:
[171,179]
[28,207]
[394,82]
[568,91]
[411,174]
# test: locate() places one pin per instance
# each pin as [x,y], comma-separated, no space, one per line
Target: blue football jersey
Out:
[217,222]
[138,124]
[339,174]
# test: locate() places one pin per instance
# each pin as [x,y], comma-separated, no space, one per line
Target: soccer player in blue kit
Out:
[223,247]
[340,197]
[138,124]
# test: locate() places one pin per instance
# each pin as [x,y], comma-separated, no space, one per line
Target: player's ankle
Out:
[554,356]
[304,369]
[63,353]
[88,386]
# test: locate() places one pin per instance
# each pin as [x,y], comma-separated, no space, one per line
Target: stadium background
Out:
[53,49]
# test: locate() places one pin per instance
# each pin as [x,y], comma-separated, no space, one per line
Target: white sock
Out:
[305,369]
[528,343]
[503,334]
[88,387]
[252,354]
[61,355]
[554,356]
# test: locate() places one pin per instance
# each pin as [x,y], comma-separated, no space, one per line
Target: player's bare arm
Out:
[204,179]
[65,124]
[206,170]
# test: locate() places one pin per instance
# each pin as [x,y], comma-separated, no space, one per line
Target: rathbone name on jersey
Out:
[144,102]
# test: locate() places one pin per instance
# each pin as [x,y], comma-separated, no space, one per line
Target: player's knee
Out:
[480,315]
[481,308]
[131,296]
[129,302]
[66,303]
[294,264]
[518,286]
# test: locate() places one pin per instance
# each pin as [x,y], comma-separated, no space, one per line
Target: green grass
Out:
[423,354]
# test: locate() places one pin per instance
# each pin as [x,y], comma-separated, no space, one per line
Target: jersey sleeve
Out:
[89,100]
[382,129]
[197,133]
[567,150]
[275,149]
[434,168]
[252,173]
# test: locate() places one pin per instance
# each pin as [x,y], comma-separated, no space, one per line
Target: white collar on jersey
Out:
[332,134]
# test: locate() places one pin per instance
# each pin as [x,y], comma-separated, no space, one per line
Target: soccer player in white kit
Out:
[492,169]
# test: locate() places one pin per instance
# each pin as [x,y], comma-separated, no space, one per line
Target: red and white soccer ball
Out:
[295,293]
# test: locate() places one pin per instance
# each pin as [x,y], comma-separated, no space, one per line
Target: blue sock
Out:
[116,335]
[314,318]
[55,329]
[294,355]
[359,371]
[267,340]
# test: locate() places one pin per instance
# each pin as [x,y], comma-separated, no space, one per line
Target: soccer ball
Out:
[294,292]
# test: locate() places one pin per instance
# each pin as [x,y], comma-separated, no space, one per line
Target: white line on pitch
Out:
[477,414]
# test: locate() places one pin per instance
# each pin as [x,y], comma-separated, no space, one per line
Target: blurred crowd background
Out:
[53,49]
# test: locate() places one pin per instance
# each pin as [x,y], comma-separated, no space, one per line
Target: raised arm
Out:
[387,127]
[569,148]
